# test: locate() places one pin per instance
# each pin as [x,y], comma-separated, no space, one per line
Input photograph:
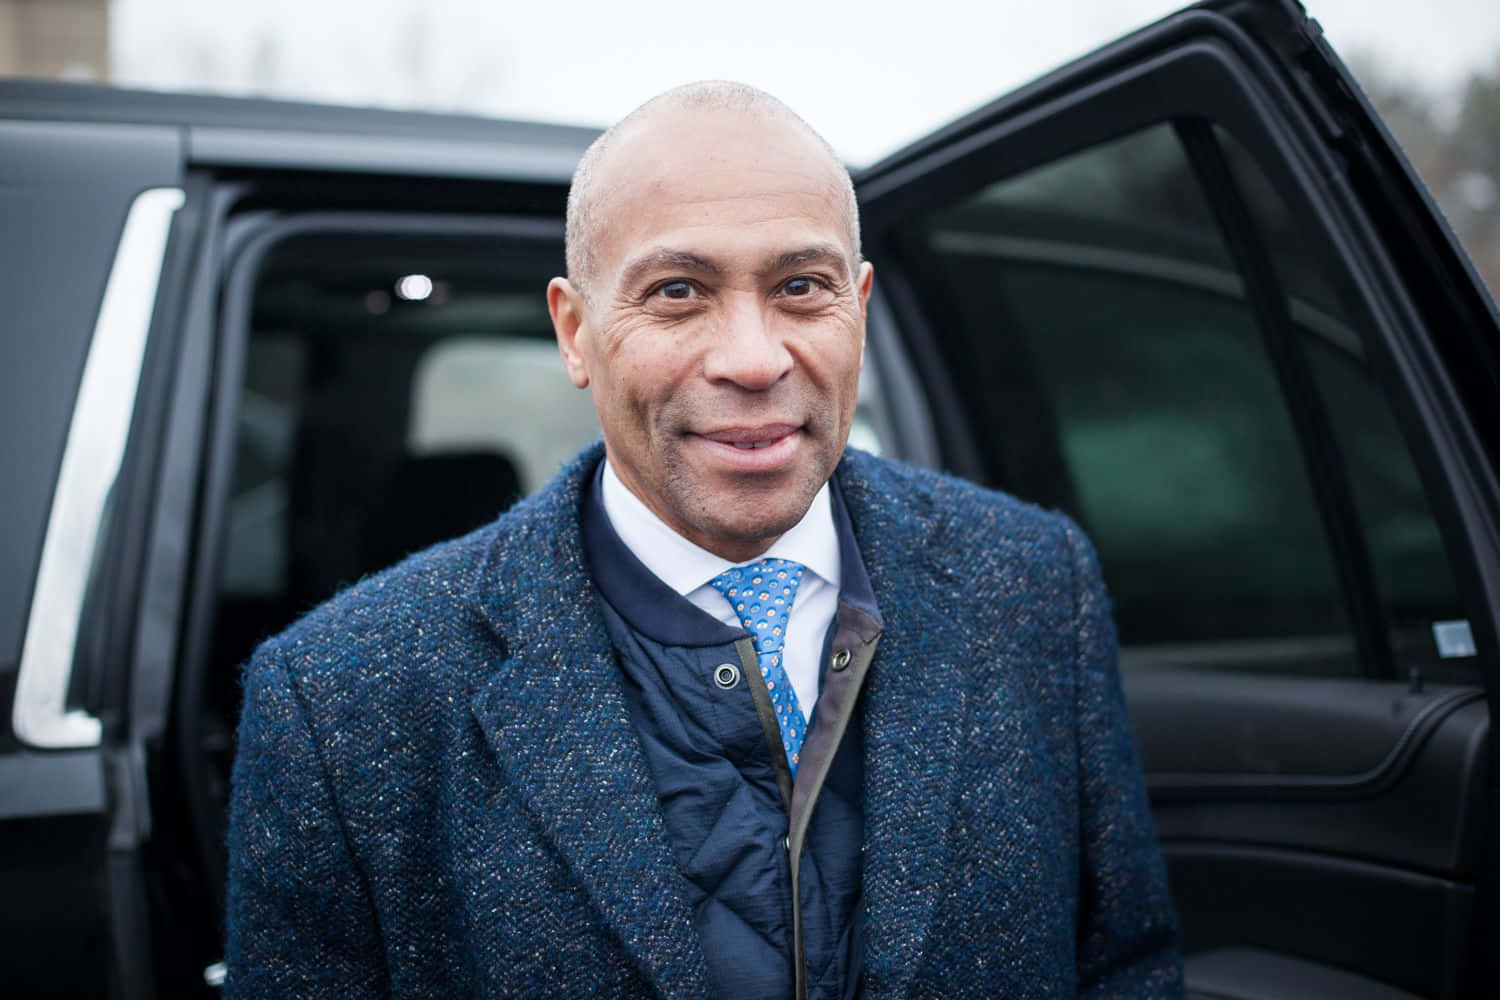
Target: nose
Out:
[747,349]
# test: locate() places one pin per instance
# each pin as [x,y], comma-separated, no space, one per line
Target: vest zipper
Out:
[750,669]
[814,772]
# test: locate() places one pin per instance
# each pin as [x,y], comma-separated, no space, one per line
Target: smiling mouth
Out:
[759,448]
[752,438]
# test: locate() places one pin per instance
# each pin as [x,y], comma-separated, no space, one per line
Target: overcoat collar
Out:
[555,714]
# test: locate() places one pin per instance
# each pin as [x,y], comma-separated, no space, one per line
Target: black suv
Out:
[1185,289]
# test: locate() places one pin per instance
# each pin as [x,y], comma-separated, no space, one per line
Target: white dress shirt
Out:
[687,569]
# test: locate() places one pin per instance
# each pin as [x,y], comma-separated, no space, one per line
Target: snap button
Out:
[841,659]
[786,843]
[726,675]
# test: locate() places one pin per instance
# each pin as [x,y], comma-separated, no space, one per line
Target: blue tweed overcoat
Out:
[439,793]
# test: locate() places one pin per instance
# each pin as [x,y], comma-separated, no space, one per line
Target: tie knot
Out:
[761,595]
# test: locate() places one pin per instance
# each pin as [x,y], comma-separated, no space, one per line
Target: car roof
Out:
[257,132]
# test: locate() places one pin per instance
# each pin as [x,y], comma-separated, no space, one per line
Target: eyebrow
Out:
[667,259]
[826,254]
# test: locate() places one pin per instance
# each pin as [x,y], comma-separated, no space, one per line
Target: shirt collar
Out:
[684,566]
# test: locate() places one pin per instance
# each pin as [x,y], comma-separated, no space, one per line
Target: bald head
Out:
[657,130]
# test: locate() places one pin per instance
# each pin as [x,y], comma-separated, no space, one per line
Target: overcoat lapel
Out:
[913,720]
[556,718]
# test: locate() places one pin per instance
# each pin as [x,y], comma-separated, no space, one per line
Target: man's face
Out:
[723,332]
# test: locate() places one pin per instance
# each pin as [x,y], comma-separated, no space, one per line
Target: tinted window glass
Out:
[1095,319]
[1412,575]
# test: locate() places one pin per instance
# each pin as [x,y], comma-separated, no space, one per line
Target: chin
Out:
[760,521]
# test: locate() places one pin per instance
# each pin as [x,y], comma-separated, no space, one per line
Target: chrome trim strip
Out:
[90,465]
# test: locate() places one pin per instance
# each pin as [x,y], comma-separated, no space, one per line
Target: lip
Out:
[777,445]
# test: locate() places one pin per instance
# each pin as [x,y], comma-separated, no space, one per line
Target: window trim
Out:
[91,462]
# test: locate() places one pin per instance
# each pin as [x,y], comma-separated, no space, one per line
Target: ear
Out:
[569,322]
[864,284]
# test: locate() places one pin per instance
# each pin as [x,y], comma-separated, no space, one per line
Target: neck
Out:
[737,550]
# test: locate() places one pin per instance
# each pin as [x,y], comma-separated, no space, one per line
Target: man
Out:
[726,710]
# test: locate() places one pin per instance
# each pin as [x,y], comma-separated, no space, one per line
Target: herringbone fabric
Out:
[438,790]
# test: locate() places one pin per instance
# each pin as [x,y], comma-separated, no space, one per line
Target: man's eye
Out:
[676,290]
[799,287]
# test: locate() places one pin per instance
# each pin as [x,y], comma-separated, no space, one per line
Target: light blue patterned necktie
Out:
[761,595]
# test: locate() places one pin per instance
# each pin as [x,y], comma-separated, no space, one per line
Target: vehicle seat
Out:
[429,498]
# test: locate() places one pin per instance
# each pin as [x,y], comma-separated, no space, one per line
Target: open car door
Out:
[1187,290]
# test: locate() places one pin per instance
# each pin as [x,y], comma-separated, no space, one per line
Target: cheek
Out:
[836,355]
[636,410]
[645,374]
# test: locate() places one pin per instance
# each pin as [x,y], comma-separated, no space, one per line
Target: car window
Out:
[1413,578]
[1098,328]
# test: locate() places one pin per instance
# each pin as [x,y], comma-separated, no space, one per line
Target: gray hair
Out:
[707,95]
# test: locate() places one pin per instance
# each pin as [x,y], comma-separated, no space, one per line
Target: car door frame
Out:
[257,180]
[1262,71]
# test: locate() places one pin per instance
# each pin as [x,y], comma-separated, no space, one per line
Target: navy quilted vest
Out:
[715,763]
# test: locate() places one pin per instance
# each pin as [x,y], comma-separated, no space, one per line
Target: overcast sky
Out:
[869,75]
